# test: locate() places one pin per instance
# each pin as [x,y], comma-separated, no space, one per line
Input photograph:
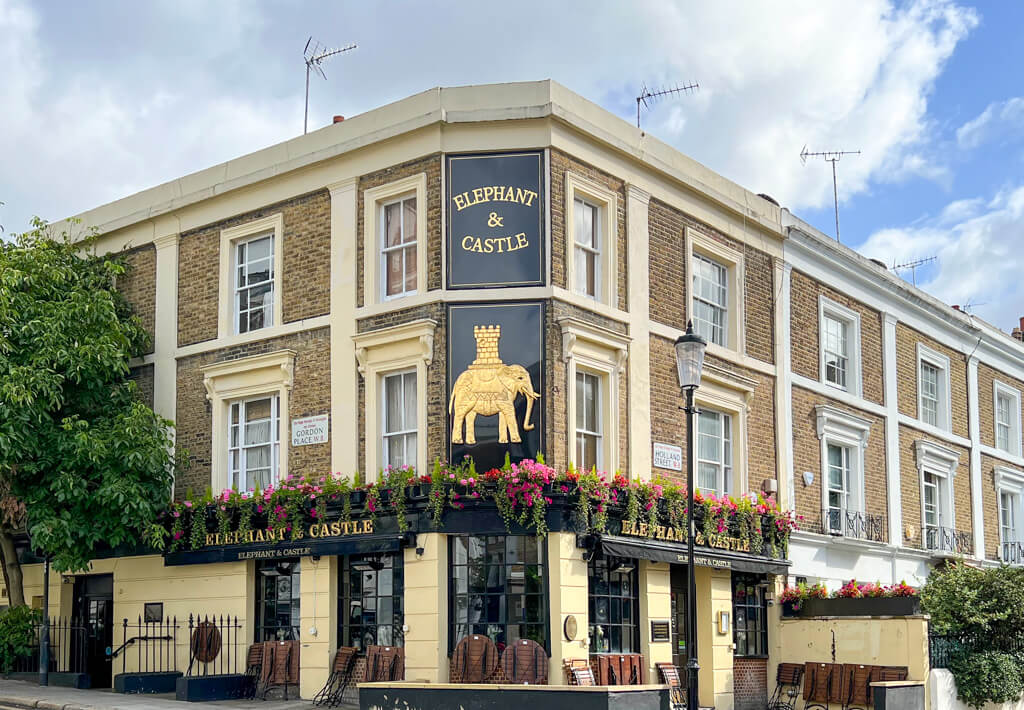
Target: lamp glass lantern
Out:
[690,358]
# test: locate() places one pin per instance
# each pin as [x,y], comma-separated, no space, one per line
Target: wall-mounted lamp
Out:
[420,551]
[808,478]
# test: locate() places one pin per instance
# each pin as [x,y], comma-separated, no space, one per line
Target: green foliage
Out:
[988,676]
[17,633]
[966,600]
[91,462]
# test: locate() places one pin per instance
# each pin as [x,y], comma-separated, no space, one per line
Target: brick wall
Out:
[807,457]
[910,481]
[310,394]
[749,683]
[306,266]
[668,423]
[906,367]
[986,400]
[560,164]
[431,165]
[805,334]
[669,281]
[138,286]
[143,378]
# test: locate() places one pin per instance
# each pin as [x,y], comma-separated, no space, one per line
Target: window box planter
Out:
[863,606]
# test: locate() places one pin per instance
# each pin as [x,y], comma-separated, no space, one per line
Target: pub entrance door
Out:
[94,608]
[678,591]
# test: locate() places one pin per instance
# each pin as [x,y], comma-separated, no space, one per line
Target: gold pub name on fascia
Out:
[494,193]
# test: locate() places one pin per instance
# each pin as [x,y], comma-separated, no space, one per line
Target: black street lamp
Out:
[689,363]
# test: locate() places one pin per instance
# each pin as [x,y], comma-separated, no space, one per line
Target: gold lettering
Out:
[488,246]
[643,529]
[368,527]
[466,239]
[521,240]
[460,202]
[209,539]
[335,528]
[488,194]
[478,195]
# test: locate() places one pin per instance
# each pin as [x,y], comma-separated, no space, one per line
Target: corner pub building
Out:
[502,270]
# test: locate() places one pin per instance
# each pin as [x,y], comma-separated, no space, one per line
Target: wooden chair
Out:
[579,672]
[340,678]
[384,664]
[854,686]
[253,669]
[474,660]
[670,676]
[524,661]
[788,677]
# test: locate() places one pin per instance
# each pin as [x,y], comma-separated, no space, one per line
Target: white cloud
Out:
[135,95]
[980,261]
[999,119]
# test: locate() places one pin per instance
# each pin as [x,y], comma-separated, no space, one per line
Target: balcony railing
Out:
[949,540]
[853,524]
[1012,553]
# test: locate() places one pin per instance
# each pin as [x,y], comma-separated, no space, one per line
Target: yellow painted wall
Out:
[567,594]
[426,610]
[656,604]
[714,649]
[318,588]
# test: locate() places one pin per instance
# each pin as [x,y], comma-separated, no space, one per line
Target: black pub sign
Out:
[496,220]
[495,381]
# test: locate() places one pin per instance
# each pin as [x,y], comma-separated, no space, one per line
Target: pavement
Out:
[18,695]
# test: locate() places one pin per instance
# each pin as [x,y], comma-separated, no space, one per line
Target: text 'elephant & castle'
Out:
[488,387]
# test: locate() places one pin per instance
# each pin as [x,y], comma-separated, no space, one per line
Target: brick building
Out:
[347,301]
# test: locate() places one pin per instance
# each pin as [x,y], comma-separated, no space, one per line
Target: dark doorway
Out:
[94,609]
[678,591]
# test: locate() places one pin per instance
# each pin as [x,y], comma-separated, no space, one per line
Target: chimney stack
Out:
[338,119]
[1018,333]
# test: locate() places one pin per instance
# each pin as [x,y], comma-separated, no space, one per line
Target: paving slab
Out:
[20,695]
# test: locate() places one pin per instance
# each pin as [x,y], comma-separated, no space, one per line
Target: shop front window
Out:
[370,609]
[277,600]
[498,589]
[614,606]
[750,615]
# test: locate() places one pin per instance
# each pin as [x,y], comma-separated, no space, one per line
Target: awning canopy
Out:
[675,553]
[354,545]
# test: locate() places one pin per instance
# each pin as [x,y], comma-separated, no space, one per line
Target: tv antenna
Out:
[831,156]
[912,265]
[314,54]
[646,94]
[972,304]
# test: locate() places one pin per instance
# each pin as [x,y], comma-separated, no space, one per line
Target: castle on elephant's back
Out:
[369,299]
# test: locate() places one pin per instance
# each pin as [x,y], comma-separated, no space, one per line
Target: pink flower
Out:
[259,508]
[177,514]
[188,504]
[177,535]
[312,512]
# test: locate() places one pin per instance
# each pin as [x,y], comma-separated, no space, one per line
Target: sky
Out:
[101,99]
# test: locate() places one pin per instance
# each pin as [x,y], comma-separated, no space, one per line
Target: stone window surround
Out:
[374,199]
[732,260]
[244,378]
[1013,393]
[841,428]
[606,202]
[601,352]
[939,461]
[828,307]
[937,359]
[398,348]
[271,224]
[1008,480]
[728,393]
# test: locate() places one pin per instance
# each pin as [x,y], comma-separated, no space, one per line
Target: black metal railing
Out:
[943,647]
[68,647]
[1012,553]
[951,540]
[215,645]
[853,524]
[152,643]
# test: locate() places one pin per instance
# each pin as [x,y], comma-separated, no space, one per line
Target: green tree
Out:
[89,461]
[985,602]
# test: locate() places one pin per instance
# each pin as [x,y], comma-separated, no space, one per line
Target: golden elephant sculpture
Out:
[490,390]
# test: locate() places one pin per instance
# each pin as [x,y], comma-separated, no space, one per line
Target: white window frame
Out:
[941,462]
[1012,394]
[383,249]
[606,201]
[940,361]
[726,446]
[398,348]
[247,378]
[732,260]
[384,433]
[230,238]
[729,393]
[241,448]
[601,397]
[837,427]
[596,351]
[374,201]
[1010,482]
[830,309]
[847,488]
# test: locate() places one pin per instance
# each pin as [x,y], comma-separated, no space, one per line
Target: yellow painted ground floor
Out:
[425,597]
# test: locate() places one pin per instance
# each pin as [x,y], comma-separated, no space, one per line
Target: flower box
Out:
[859,606]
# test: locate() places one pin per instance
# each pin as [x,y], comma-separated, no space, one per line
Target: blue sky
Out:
[102,99]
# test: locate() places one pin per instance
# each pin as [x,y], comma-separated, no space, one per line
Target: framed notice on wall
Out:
[495,210]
